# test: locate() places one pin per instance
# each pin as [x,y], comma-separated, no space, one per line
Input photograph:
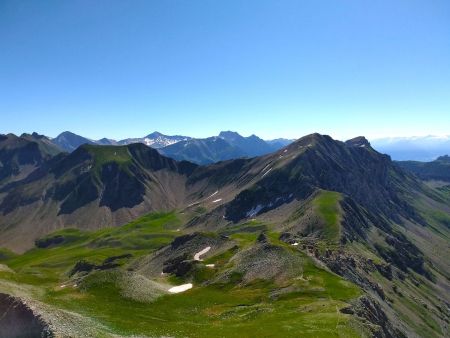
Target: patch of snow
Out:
[86,169]
[213,194]
[210,265]
[195,203]
[215,201]
[285,151]
[181,288]
[62,286]
[268,171]
[160,141]
[294,244]
[254,211]
[200,253]
[264,169]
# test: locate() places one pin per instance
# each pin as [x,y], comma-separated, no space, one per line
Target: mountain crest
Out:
[359,141]
[230,135]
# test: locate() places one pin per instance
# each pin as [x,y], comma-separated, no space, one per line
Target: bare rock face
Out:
[366,307]
[18,320]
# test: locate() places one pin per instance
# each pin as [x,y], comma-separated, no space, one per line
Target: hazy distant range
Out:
[419,148]
[229,145]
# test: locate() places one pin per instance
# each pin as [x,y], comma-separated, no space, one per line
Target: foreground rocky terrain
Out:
[321,238]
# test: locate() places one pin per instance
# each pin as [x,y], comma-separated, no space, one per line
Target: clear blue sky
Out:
[274,68]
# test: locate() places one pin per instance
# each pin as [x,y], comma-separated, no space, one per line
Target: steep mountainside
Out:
[21,155]
[311,163]
[92,187]
[45,144]
[438,169]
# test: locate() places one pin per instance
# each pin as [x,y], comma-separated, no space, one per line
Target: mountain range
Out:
[321,237]
[228,145]
[232,145]
[69,141]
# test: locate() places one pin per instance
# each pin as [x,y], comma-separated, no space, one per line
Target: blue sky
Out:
[280,68]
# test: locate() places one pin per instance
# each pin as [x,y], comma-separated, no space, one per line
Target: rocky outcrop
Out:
[263,261]
[367,308]
[18,320]
[178,257]
[84,266]
[49,241]
[403,254]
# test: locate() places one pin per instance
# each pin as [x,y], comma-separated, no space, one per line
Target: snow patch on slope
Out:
[201,253]
[181,288]
[254,211]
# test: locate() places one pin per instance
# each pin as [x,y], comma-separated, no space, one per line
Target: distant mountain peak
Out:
[445,158]
[251,146]
[34,135]
[67,133]
[106,141]
[229,132]
[155,134]
[230,135]
[69,141]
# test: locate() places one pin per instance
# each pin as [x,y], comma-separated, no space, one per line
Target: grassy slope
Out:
[327,204]
[107,154]
[205,311]
[52,264]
